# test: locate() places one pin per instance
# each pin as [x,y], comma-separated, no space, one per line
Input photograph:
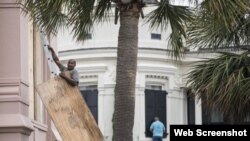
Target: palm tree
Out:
[82,14]
[222,82]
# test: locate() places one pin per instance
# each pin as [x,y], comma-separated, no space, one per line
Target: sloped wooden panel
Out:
[69,111]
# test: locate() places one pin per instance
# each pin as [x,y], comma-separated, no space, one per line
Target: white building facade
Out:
[160,83]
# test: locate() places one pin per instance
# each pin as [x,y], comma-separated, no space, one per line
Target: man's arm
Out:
[72,82]
[151,127]
[72,79]
[54,56]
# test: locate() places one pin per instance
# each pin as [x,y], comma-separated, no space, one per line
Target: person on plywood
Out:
[73,77]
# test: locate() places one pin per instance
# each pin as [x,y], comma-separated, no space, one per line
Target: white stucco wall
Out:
[96,62]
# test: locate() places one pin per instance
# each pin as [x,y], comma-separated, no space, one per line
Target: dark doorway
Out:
[190,108]
[155,105]
[91,98]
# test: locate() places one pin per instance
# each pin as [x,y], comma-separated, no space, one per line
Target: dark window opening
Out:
[150,1]
[154,87]
[190,108]
[155,36]
[89,36]
[90,95]
[155,105]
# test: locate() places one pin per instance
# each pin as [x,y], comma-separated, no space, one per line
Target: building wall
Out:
[15,124]
[96,63]
[22,115]
[106,35]
[97,67]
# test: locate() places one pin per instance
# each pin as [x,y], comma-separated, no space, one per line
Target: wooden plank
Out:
[69,111]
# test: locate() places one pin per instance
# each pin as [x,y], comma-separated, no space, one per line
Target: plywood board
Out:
[69,111]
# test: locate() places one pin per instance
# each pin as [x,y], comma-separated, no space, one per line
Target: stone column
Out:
[15,124]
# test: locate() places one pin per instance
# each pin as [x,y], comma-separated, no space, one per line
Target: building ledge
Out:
[40,126]
[15,123]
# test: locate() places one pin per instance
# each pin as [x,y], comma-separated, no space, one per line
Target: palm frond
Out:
[81,18]
[54,14]
[176,16]
[223,82]
[103,11]
[47,14]
[219,23]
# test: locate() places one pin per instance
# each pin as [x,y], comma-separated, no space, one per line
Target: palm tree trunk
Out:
[123,118]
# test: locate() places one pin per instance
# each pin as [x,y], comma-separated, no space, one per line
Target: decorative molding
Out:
[15,123]
[176,93]
[91,69]
[87,83]
[142,89]
[13,98]
[89,76]
[13,82]
[9,4]
[107,94]
[40,126]
[109,85]
[157,77]
[177,97]
[149,68]
[88,80]
[161,80]
[89,53]
[25,83]
[178,79]
[10,90]
[9,81]
[175,89]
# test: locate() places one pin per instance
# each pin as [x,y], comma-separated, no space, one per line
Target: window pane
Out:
[155,36]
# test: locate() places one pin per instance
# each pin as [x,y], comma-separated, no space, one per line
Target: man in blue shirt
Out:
[158,129]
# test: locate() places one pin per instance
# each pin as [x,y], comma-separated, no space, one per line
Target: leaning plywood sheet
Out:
[69,111]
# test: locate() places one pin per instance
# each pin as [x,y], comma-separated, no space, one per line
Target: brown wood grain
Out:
[69,111]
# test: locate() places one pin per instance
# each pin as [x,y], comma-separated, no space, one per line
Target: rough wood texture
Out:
[69,111]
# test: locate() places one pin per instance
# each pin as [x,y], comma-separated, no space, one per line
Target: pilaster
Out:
[15,124]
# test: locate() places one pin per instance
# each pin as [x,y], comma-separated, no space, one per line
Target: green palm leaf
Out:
[47,14]
[223,82]
[77,15]
[175,17]
[219,23]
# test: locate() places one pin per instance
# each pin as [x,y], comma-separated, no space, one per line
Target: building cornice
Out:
[9,4]
[144,53]
[149,68]
[92,69]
